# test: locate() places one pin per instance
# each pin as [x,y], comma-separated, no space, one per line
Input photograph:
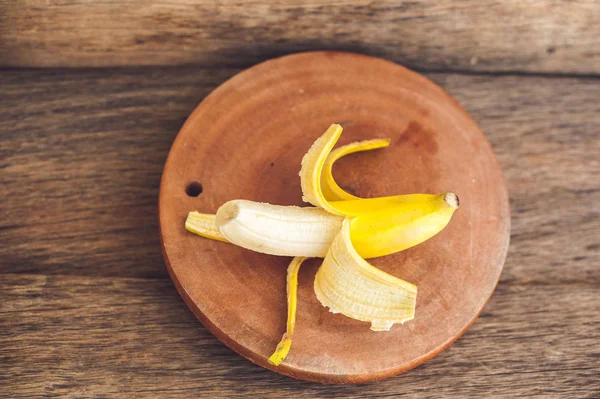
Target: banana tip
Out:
[227,212]
[452,200]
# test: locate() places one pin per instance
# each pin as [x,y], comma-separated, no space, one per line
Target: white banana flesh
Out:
[348,284]
[278,230]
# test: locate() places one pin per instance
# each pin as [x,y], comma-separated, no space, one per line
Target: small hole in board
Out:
[193,189]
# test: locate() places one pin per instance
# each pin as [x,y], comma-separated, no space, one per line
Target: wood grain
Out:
[514,35]
[87,309]
[80,172]
[141,340]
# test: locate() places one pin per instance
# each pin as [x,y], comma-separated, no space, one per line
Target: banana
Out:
[278,230]
[381,226]
[343,229]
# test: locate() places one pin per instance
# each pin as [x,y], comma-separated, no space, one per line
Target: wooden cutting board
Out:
[246,140]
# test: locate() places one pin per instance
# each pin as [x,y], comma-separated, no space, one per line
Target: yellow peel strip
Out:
[347,284]
[204,225]
[331,190]
[284,345]
[312,165]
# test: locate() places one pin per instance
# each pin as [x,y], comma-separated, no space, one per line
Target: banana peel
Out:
[331,190]
[292,293]
[341,228]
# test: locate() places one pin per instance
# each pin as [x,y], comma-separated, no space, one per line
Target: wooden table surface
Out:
[87,308]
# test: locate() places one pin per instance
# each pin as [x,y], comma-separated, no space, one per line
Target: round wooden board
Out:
[246,140]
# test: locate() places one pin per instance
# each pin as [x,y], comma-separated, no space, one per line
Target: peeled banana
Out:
[381,226]
[342,229]
[278,230]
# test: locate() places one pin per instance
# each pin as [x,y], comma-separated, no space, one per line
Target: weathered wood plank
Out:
[533,36]
[82,153]
[80,337]
[82,159]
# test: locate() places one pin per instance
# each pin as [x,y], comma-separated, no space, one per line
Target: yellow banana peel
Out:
[292,292]
[331,190]
[204,224]
[341,228]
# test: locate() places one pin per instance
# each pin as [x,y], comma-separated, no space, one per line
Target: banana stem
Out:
[283,348]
